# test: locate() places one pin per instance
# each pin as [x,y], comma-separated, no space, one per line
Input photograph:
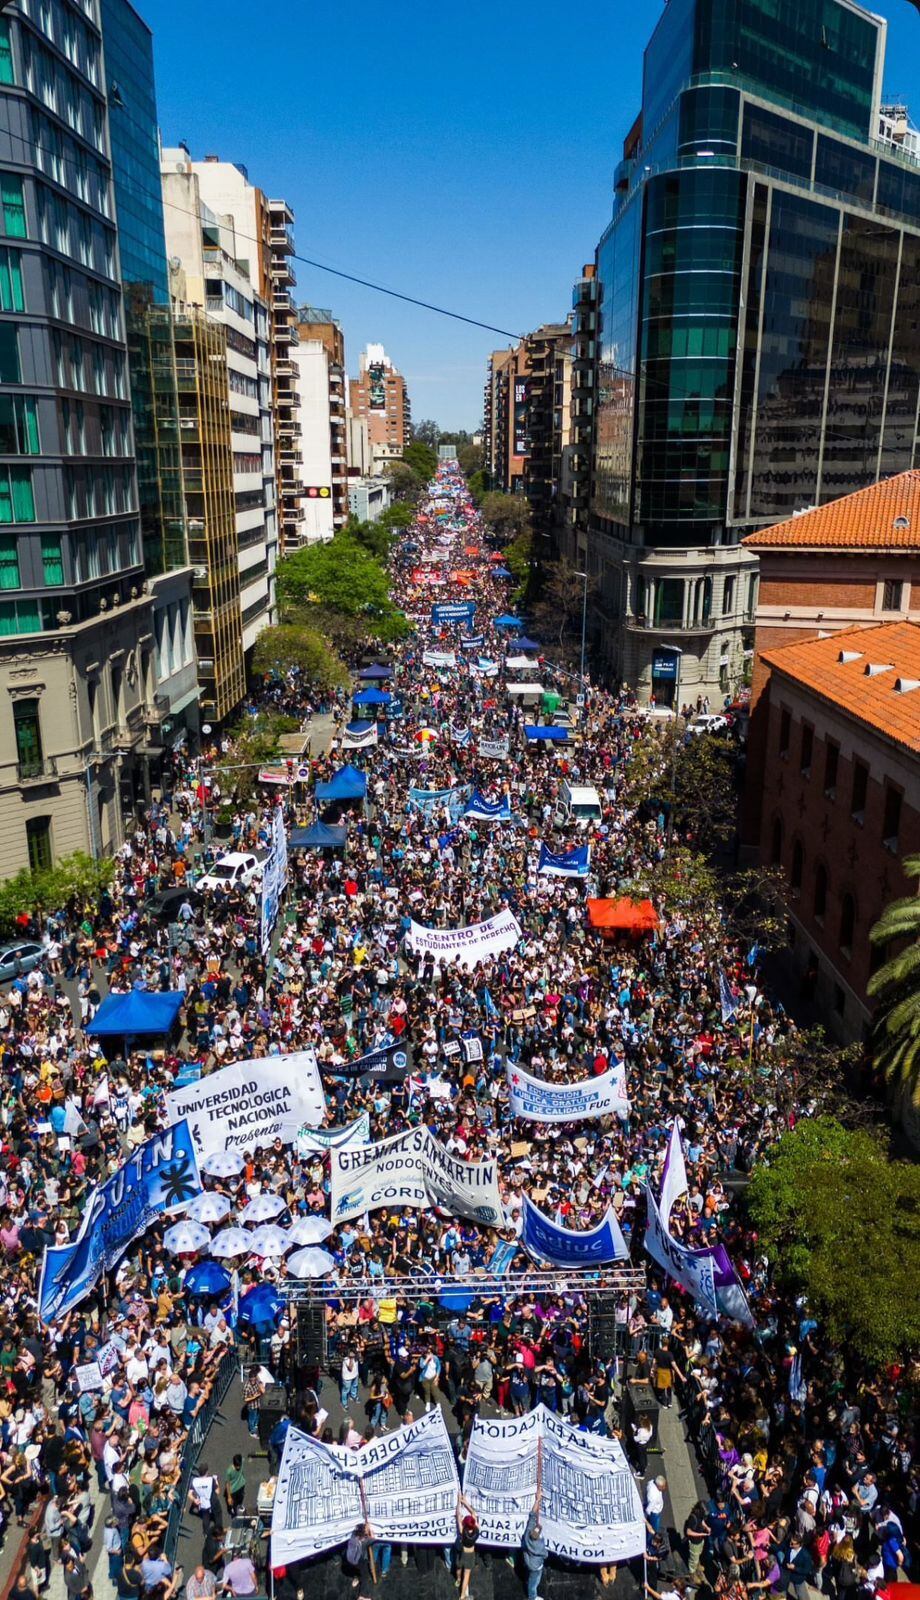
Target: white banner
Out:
[693,1272]
[274,880]
[590,1509]
[494,749]
[439,658]
[359,741]
[404,1484]
[673,1176]
[250,1103]
[413,1169]
[537,1101]
[466,945]
[311,1141]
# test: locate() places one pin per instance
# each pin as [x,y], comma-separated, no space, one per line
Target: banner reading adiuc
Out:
[413,1169]
[590,1507]
[563,1247]
[537,1101]
[161,1176]
[404,1484]
[251,1102]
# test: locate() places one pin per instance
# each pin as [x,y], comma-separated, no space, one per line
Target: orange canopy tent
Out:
[622,916]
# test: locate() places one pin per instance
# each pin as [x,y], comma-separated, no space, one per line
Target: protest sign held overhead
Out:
[252,1102]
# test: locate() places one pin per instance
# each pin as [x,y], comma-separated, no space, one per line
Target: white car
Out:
[708,722]
[236,870]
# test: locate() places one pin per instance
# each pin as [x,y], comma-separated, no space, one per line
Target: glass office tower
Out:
[759,338]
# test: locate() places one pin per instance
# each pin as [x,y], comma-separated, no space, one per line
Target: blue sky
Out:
[461,154]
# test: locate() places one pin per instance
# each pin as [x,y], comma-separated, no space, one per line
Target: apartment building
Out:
[379,395]
[506,443]
[322,455]
[288,424]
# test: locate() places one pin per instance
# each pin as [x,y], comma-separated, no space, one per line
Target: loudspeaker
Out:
[272,1407]
[638,1401]
[311,1336]
[604,1332]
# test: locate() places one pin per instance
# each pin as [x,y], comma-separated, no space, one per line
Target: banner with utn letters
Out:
[252,1102]
[590,1507]
[537,1101]
[404,1484]
[413,1169]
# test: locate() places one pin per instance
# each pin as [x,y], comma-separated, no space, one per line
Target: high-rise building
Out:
[134,145]
[77,671]
[549,396]
[759,339]
[379,394]
[216,265]
[575,482]
[291,516]
[322,459]
[506,442]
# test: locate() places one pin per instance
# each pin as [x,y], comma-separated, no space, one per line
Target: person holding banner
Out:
[468,1531]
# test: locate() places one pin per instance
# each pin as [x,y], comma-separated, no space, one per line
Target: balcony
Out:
[281,271]
[40,769]
[281,239]
[649,625]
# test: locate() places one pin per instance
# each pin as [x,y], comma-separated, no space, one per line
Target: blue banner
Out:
[547,1241]
[430,801]
[161,1176]
[463,611]
[502,1256]
[473,641]
[571,864]
[482,810]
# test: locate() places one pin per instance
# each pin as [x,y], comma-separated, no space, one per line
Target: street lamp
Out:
[584,618]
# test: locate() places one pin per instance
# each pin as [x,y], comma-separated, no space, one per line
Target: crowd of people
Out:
[808,1460]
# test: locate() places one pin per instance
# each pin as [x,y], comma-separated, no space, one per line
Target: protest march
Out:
[438,1182]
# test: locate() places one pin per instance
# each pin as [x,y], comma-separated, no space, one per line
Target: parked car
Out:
[164,906]
[236,870]
[708,722]
[19,958]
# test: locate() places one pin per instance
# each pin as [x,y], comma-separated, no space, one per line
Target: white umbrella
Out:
[269,1241]
[309,1230]
[310,1263]
[208,1207]
[264,1208]
[184,1237]
[223,1164]
[231,1242]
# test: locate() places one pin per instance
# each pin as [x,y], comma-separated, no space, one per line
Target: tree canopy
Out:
[507,514]
[895,985]
[703,767]
[422,458]
[841,1223]
[76,880]
[340,573]
[294,645]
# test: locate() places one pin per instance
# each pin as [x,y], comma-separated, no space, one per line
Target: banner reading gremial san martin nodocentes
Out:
[590,1508]
[413,1169]
[405,1485]
[252,1102]
[538,1101]
[466,945]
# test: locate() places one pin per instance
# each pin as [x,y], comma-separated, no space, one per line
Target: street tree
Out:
[506,514]
[341,574]
[76,882]
[699,772]
[840,1222]
[895,1042]
[562,597]
[427,432]
[422,458]
[293,645]
[406,485]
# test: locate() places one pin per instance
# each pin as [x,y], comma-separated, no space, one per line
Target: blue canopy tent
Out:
[346,784]
[372,697]
[138,1015]
[547,731]
[501,572]
[319,836]
[370,674]
[524,643]
[507,621]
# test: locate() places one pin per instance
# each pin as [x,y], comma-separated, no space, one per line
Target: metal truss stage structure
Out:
[590,1285]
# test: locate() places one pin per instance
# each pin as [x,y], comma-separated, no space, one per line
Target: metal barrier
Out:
[227,1370]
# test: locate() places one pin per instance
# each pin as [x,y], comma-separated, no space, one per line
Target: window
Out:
[805,754]
[11,296]
[785,728]
[776,842]
[18,426]
[892,594]
[820,901]
[14,210]
[831,761]
[860,790]
[17,503]
[28,737]
[798,867]
[728,597]
[6,53]
[22,616]
[9,561]
[9,353]
[847,924]
[38,838]
[891,826]
[52,560]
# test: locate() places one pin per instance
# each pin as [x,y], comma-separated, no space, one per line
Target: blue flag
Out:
[161,1176]
[547,1241]
[729,1003]
[574,863]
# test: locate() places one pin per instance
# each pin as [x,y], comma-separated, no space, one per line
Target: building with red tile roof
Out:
[840,803]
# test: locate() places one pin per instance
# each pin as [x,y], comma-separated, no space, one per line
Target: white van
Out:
[581,802]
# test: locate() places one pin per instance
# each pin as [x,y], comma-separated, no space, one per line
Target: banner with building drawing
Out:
[404,1484]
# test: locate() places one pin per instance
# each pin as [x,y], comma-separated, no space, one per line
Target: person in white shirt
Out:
[654,1501]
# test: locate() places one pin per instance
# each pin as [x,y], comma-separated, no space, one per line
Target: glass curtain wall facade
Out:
[758,337]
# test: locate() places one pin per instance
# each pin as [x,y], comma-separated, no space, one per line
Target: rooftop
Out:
[884,516]
[872,674]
